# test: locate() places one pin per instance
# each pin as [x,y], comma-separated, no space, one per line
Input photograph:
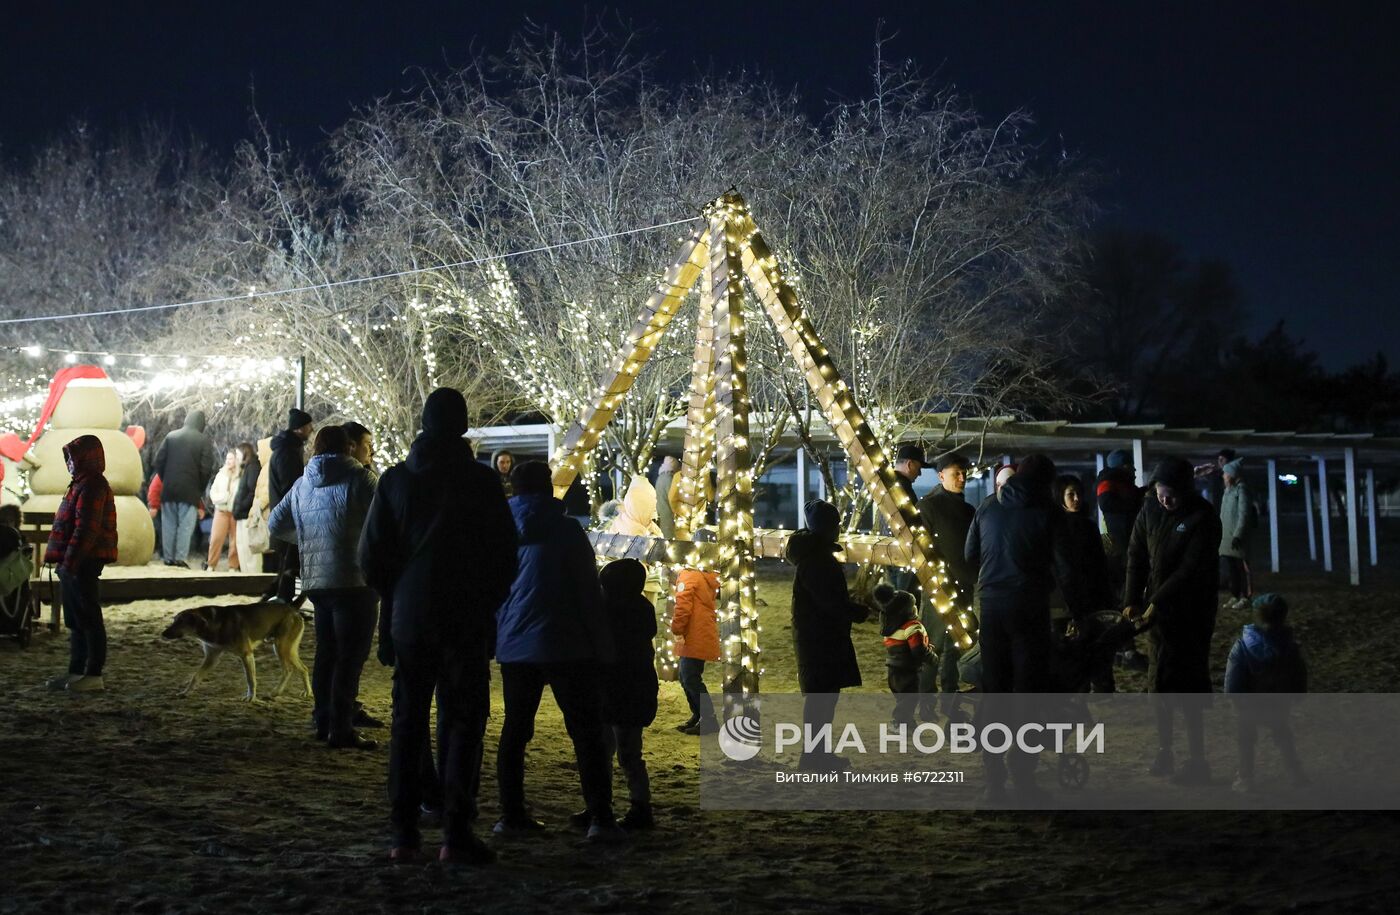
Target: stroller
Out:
[19,610]
[1081,661]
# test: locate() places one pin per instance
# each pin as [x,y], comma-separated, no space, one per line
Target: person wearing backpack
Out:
[1237,523]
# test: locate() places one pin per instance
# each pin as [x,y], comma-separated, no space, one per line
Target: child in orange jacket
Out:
[696,633]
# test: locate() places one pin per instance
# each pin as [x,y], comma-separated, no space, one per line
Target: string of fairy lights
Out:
[719,256]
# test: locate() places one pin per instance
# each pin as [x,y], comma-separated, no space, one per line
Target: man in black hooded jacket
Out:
[186,463]
[439,546]
[1017,542]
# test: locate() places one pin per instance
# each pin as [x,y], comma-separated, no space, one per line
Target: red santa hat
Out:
[79,375]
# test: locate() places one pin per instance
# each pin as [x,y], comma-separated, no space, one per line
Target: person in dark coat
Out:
[503,461]
[630,684]
[1018,542]
[243,499]
[1088,591]
[283,470]
[439,547]
[1171,587]
[1265,661]
[324,514]
[948,517]
[551,631]
[82,541]
[186,462]
[822,615]
[1119,500]
[908,467]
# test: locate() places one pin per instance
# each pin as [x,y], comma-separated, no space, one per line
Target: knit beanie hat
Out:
[445,414]
[1235,468]
[1119,458]
[894,601]
[297,417]
[622,578]
[1176,473]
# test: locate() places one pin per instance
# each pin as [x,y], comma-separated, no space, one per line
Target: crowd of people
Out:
[453,572]
[1041,573]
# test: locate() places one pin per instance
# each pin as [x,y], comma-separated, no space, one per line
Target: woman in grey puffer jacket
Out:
[323,515]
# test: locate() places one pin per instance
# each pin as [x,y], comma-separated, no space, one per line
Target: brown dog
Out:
[238,630]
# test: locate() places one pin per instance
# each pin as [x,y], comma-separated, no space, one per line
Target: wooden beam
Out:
[845,418]
[652,321]
[738,621]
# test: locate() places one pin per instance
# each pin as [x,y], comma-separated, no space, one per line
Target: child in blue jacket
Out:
[1266,660]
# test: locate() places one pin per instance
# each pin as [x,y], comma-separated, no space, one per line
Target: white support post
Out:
[1325,505]
[552,440]
[801,486]
[1140,461]
[1371,513]
[1091,486]
[1353,523]
[1273,515]
[1312,522]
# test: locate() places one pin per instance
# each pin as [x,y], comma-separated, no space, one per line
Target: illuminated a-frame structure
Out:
[719,255]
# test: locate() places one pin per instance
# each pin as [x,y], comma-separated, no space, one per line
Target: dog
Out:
[239,629]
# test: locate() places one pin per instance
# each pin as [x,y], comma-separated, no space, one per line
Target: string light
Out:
[719,256]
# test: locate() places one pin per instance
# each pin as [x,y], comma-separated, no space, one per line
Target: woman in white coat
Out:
[221,493]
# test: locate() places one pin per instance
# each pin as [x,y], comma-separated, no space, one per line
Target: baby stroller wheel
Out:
[1074,771]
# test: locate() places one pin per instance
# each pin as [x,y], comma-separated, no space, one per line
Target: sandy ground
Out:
[138,801]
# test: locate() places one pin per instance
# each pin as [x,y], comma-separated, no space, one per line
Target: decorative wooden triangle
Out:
[720,255]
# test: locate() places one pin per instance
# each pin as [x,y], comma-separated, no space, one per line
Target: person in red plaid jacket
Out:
[83,540]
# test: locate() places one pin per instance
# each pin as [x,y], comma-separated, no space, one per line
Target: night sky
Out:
[1266,134]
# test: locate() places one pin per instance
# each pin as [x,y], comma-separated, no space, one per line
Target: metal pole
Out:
[301,382]
[1353,525]
[1308,510]
[1139,460]
[1325,505]
[1273,515]
[1371,513]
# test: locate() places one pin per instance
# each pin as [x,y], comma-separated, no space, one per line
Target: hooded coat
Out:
[1119,499]
[186,462]
[439,543]
[1018,543]
[504,477]
[630,685]
[822,614]
[948,518]
[85,525]
[324,515]
[637,513]
[286,466]
[554,612]
[694,617]
[1266,660]
[1236,521]
[1172,567]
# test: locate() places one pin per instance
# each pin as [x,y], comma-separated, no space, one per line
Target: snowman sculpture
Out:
[83,401]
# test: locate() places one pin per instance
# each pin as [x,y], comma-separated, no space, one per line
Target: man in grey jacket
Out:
[186,462]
